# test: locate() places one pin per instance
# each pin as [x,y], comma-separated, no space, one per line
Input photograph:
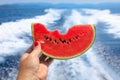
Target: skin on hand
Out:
[33,67]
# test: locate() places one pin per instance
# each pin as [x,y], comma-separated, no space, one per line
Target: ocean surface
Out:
[100,62]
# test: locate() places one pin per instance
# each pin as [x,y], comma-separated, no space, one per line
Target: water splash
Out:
[86,67]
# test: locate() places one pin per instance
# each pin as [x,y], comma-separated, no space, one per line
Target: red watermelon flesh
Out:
[63,46]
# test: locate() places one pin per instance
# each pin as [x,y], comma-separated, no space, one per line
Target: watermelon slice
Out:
[64,46]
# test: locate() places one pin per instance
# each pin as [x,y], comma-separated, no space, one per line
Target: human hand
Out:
[33,67]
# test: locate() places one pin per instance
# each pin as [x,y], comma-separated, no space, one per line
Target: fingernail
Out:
[36,43]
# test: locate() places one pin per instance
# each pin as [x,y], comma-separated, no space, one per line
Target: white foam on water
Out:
[78,69]
[76,17]
[10,31]
[13,36]
[112,20]
[12,74]
[95,16]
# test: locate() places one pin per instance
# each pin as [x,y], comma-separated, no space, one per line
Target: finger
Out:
[42,58]
[29,50]
[37,49]
[24,56]
[49,61]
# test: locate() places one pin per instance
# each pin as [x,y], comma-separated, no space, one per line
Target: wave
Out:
[95,16]
[15,37]
[86,67]
[77,69]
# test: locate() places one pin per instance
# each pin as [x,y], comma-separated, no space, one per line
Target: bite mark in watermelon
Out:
[64,46]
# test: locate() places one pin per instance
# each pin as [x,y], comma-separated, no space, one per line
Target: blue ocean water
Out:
[102,59]
[12,14]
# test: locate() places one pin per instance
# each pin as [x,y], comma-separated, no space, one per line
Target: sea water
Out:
[100,62]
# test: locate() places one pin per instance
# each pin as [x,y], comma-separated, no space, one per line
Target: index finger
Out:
[37,49]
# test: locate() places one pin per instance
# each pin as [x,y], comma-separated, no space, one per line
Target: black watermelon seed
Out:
[55,41]
[70,40]
[67,42]
[77,37]
[46,37]
[50,39]
[63,41]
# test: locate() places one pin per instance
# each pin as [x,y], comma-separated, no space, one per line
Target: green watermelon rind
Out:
[32,31]
[70,57]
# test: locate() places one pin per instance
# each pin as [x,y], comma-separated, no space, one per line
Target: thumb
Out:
[37,49]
